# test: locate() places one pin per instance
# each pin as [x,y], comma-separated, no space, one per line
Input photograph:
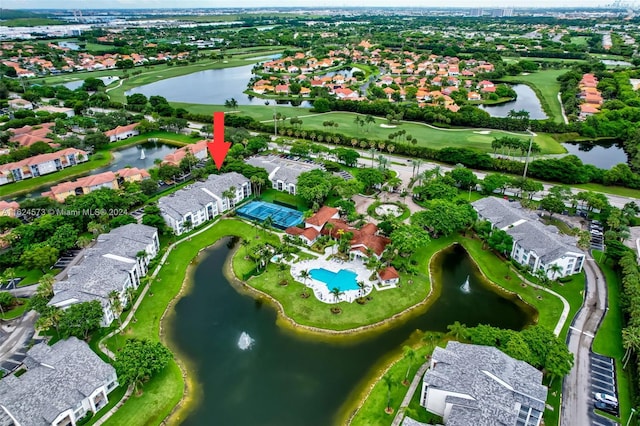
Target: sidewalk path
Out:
[417,379]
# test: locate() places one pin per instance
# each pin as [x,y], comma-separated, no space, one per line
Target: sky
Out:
[116,4]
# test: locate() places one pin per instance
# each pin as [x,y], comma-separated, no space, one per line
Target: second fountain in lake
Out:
[465,287]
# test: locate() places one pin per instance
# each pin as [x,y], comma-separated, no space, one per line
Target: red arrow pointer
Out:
[218,148]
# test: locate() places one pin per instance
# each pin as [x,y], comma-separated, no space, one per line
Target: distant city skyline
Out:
[185,4]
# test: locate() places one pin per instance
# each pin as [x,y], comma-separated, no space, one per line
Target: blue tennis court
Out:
[282,217]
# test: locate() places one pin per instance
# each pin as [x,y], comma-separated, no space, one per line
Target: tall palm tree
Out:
[555,270]
[630,342]
[245,243]
[336,293]
[305,275]
[361,285]
[116,305]
[410,354]
[457,330]
[267,223]
[45,288]
[387,379]
[329,227]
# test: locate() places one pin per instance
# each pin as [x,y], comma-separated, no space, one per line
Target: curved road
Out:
[577,399]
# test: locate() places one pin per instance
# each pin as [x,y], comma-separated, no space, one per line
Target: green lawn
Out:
[546,86]
[29,276]
[579,40]
[427,135]
[259,112]
[372,411]
[608,340]
[16,311]
[615,190]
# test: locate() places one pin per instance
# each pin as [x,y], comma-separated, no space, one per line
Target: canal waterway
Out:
[285,379]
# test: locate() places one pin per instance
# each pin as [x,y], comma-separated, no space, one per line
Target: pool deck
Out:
[320,289]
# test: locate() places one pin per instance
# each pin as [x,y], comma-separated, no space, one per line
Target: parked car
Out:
[607,408]
[606,398]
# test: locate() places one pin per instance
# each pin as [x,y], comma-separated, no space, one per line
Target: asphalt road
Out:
[577,398]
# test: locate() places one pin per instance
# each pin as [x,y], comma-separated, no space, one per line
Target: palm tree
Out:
[116,305]
[362,286]
[45,289]
[336,293]
[555,270]
[457,330]
[83,241]
[410,354]
[388,381]
[245,243]
[131,292]
[267,223]
[630,342]
[305,275]
[329,227]
[230,195]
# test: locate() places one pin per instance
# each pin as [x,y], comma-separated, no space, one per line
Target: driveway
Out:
[577,397]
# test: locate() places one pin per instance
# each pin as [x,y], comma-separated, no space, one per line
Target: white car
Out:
[606,398]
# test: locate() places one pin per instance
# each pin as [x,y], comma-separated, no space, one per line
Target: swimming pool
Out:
[282,217]
[343,279]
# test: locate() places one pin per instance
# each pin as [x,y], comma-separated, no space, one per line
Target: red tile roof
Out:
[120,129]
[42,158]
[389,273]
[322,216]
[179,154]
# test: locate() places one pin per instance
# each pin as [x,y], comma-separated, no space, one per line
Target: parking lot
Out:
[597,235]
[603,380]
[66,258]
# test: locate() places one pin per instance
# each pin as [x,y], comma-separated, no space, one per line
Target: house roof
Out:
[132,171]
[179,154]
[42,158]
[495,381]
[85,182]
[195,197]
[525,228]
[389,273]
[121,129]
[6,205]
[105,267]
[322,216]
[309,233]
[58,378]
[281,169]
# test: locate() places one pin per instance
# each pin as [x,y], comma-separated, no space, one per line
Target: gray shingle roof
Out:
[486,374]
[105,267]
[285,170]
[59,378]
[527,230]
[193,197]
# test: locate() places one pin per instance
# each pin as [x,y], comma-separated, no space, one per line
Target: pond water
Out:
[526,100]
[211,87]
[285,379]
[601,155]
[129,156]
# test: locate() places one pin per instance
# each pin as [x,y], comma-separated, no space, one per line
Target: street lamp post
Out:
[633,411]
[526,162]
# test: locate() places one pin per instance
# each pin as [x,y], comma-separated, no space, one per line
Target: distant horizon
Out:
[298,4]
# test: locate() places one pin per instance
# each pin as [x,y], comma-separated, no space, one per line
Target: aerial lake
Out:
[288,379]
[211,87]
[602,155]
[526,100]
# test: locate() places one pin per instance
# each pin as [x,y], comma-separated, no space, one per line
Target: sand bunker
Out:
[483,132]
[387,126]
